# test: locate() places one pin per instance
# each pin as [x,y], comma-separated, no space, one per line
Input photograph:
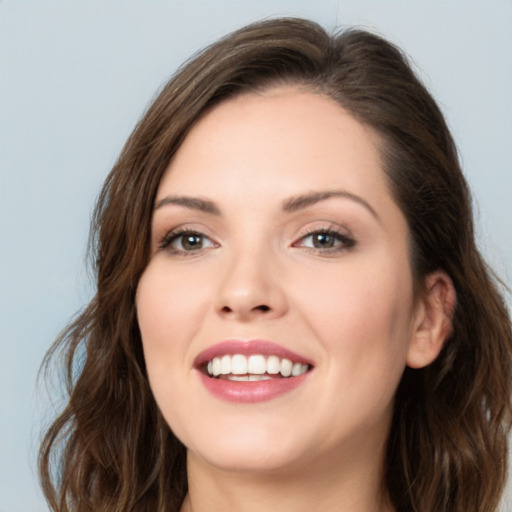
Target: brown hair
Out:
[110,449]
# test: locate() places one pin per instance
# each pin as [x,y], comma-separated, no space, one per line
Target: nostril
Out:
[228,310]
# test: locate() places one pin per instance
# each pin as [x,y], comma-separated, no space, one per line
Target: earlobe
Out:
[434,322]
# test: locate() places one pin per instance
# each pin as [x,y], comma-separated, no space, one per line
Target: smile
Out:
[251,371]
[256,367]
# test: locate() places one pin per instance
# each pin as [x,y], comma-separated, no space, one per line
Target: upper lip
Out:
[247,348]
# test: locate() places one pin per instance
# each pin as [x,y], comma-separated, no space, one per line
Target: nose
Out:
[250,289]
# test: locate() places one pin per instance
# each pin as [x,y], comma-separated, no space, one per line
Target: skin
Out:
[348,308]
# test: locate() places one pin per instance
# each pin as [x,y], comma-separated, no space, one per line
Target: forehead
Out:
[289,138]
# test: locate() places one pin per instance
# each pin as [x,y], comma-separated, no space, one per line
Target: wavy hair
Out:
[110,449]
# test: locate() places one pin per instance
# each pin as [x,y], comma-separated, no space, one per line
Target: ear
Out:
[433,321]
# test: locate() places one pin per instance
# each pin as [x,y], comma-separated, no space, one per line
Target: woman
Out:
[291,311]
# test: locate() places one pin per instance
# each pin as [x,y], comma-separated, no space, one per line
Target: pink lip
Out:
[252,391]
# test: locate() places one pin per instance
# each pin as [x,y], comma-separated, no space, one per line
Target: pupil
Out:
[323,240]
[192,242]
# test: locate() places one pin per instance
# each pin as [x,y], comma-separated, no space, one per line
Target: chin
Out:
[248,460]
[246,450]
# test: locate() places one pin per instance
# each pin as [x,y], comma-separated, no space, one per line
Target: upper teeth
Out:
[239,364]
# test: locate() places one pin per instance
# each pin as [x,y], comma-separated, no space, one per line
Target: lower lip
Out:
[252,391]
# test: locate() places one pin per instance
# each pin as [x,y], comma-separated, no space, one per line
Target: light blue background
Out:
[74,78]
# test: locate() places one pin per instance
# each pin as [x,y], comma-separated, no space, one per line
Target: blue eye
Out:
[186,241]
[323,240]
[326,240]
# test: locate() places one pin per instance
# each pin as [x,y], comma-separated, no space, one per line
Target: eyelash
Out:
[345,242]
[172,236]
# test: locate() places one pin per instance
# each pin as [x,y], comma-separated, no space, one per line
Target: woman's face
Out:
[277,248]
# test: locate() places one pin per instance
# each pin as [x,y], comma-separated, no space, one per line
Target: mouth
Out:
[251,371]
[253,368]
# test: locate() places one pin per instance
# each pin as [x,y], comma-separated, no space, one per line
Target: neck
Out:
[331,489]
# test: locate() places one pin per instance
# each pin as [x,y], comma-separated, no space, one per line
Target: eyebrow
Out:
[304,200]
[192,203]
[291,205]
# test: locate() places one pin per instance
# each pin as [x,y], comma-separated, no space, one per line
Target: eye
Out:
[184,241]
[325,240]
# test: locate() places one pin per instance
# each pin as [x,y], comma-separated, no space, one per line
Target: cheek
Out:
[168,308]
[363,318]
[168,316]
[163,322]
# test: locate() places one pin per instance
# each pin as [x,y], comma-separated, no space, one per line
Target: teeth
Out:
[239,378]
[253,368]
[296,369]
[216,366]
[238,365]
[225,365]
[273,365]
[286,367]
[259,377]
[257,365]
[248,378]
